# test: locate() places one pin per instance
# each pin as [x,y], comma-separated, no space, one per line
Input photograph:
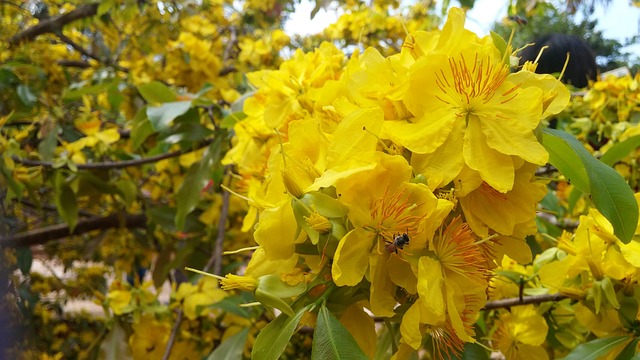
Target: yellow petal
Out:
[351,259]
[410,326]
[276,232]
[431,285]
[383,290]
[362,327]
[424,135]
[494,167]
[108,136]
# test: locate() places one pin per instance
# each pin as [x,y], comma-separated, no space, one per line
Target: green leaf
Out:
[499,42]
[195,180]
[273,338]
[156,92]
[610,193]
[563,158]
[48,133]
[65,200]
[332,341]
[232,348]
[191,131]
[474,352]
[105,6]
[127,190]
[231,305]
[618,151]
[596,348]
[162,116]
[629,351]
[229,121]
[80,90]
[25,259]
[141,128]
[26,95]
[161,268]
[628,311]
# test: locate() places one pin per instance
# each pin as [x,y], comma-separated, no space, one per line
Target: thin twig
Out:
[174,335]
[216,257]
[74,63]
[54,24]
[61,231]
[533,299]
[215,261]
[115,164]
[77,47]
[89,54]
[49,207]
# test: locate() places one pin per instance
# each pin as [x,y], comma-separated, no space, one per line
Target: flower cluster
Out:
[406,178]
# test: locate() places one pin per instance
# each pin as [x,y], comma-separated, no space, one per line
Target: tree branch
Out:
[54,24]
[55,232]
[74,63]
[534,299]
[115,164]
[215,261]
[87,53]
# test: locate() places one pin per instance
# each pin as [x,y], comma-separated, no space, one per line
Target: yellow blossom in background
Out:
[521,333]
[196,297]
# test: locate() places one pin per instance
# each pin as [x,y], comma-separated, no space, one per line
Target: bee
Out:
[518,19]
[399,241]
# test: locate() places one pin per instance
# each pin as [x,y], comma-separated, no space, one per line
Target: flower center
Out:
[394,214]
[472,84]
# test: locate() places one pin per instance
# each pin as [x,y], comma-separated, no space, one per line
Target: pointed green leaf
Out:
[162,116]
[26,95]
[65,200]
[156,92]
[618,151]
[273,338]
[563,158]
[332,341]
[499,42]
[25,259]
[195,180]
[596,349]
[629,351]
[611,194]
[141,128]
[474,352]
[232,348]
[79,90]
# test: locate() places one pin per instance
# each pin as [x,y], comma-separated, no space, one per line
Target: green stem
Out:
[392,335]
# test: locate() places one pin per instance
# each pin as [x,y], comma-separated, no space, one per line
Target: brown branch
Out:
[534,299]
[55,24]
[89,54]
[216,258]
[215,261]
[60,231]
[174,335]
[74,63]
[115,164]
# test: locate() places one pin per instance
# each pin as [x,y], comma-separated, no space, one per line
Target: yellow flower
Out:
[521,333]
[382,204]
[244,283]
[149,338]
[120,301]
[486,208]
[463,98]
[197,297]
